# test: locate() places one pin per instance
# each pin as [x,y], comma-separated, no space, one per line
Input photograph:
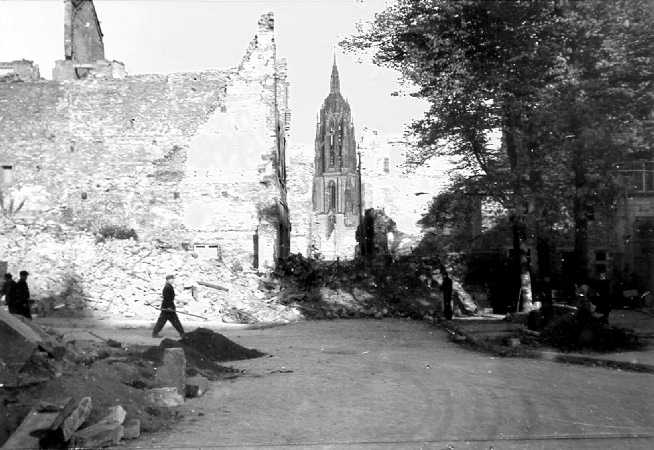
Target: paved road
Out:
[397,384]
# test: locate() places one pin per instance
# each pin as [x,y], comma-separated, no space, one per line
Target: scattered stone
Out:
[39,366]
[98,435]
[132,429]
[28,433]
[76,418]
[196,386]
[17,341]
[113,343]
[172,371]
[167,397]
[116,414]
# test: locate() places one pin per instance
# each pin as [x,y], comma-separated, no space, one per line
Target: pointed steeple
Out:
[335,85]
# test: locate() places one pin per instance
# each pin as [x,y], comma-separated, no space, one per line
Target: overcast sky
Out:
[164,36]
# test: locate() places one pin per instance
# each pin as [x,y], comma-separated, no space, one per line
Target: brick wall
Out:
[119,144]
[300,179]
[21,70]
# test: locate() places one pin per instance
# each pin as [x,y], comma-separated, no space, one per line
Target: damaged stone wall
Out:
[300,180]
[235,171]
[404,195]
[105,152]
[183,159]
[82,32]
[20,70]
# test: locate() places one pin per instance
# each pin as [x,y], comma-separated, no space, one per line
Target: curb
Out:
[497,350]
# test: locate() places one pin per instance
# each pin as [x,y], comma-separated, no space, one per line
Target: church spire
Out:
[335,85]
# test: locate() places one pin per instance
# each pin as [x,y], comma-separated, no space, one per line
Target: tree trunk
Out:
[581,214]
[520,262]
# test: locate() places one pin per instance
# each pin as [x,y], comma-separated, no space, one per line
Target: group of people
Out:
[17,294]
[17,298]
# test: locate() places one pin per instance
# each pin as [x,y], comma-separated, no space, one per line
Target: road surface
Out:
[396,384]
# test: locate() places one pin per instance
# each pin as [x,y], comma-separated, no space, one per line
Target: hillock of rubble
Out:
[75,272]
[90,394]
[382,287]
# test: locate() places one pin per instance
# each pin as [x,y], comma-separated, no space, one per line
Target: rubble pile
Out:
[406,287]
[75,272]
[92,394]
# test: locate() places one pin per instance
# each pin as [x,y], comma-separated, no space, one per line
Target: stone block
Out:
[116,414]
[172,371]
[167,397]
[36,420]
[63,70]
[76,418]
[132,429]
[98,436]
[196,386]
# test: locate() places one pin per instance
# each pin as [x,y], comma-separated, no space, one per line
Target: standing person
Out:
[168,309]
[21,295]
[8,290]
[446,287]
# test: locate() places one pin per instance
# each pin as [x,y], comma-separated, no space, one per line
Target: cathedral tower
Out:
[336,185]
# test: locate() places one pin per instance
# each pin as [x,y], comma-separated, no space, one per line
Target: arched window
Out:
[331,196]
[332,144]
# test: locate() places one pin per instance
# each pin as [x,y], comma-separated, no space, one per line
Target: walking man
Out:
[21,296]
[168,310]
[446,287]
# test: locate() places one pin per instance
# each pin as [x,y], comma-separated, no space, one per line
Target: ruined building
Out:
[194,162]
[336,181]
[21,70]
[83,45]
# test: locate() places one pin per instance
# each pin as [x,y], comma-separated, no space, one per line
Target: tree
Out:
[553,76]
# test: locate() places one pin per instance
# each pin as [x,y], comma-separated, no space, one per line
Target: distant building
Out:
[633,251]
[336,188]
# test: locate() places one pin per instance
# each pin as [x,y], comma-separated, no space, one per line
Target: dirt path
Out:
[401,384]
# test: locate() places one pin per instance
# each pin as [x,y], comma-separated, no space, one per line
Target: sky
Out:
[167,36]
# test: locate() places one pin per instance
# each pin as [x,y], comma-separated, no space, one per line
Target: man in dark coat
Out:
[8,290]
[168,310]
[446,287]
[21,295]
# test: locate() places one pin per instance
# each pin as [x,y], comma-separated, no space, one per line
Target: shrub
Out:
[117,232]
[581,331]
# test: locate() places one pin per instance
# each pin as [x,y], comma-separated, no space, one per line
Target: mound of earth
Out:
[196,362]
[101,381]
[216,347]
[203,349]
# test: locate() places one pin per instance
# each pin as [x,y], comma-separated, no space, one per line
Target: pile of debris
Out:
[75,272]
[405,287]
[56,394]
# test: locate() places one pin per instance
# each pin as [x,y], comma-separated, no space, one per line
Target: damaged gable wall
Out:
[182,159]
[226,164]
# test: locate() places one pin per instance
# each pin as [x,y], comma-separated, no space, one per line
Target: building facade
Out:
[336,181]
